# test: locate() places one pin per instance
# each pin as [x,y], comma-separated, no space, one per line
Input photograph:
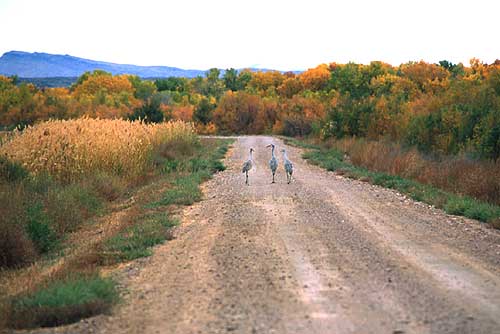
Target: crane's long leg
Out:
[246,180]
[273,178]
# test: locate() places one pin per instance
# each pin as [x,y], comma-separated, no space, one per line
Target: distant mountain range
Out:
[43,65]
[46,65]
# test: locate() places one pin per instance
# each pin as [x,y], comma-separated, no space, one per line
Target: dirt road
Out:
[323,254]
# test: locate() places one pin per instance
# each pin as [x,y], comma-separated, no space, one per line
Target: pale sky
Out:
[284,35]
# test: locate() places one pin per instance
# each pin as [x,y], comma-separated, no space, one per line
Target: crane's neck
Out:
[250,157]
[272,151]
[285,156]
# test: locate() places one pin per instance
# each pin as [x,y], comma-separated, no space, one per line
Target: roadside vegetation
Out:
[407,172]
[60,181]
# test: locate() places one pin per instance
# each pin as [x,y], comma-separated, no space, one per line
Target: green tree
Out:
[487,136]
[144,89]
[203,111]
[231,79]
[150,111]
[214,86]
[173,84]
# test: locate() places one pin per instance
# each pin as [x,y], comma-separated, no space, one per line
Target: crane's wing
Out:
[246,166]
[288,166]
[273,164]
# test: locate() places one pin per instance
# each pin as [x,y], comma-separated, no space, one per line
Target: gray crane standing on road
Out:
[273,163]
[288,166]
[247,166]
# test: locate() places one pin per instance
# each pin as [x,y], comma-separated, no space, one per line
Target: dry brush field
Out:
[71,149]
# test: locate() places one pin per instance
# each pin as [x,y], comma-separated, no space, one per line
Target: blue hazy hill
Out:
[43,65]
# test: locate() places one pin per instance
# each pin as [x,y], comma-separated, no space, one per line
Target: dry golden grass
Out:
[71,149]
[480,179]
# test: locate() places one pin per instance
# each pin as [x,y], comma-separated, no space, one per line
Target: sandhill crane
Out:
[288,166]
[273,163]
[247,166]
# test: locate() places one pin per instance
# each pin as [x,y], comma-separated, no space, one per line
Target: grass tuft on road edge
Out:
[63,302]
[136,241]
[332,160]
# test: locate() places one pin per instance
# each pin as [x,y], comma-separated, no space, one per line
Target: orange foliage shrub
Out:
[237,112]
[316,78]
[265,81]
[430,78]
[206,129]
[299,114]
[290,87]
[183,113]
[96,83]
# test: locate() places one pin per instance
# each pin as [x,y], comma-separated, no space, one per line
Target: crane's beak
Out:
[268,145]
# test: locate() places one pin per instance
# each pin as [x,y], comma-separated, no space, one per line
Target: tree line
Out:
[442,108]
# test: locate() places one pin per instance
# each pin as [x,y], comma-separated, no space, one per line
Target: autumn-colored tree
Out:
[445,108]
[17,105]
[236,112]
[290,87]
[300,116]
[183,113]
[265,82]
[429,78]
[266,116]
[98,81]
[316,78]
[101,94]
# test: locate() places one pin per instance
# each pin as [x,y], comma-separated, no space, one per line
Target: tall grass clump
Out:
[458,174]
[69,150]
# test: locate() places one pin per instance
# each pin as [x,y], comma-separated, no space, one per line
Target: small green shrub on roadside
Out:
[170,166]
[185,190]
[63,302]
[40,228]
[456,206]
[136,241]
[197,164]
[218,166]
